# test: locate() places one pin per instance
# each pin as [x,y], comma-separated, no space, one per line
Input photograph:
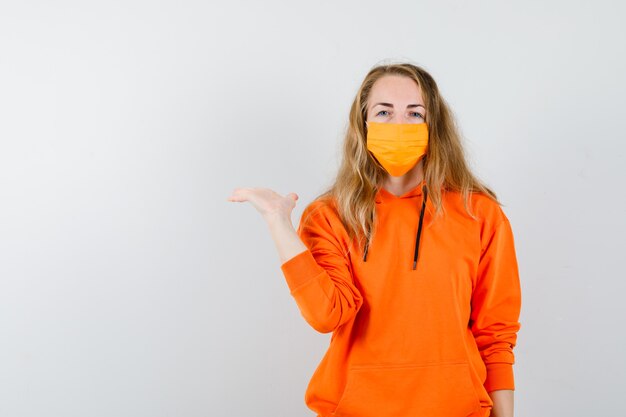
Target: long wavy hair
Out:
[360,176]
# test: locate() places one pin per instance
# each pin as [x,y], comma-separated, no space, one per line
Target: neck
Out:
[400,185]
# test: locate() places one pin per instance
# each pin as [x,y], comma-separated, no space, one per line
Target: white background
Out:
[130,287]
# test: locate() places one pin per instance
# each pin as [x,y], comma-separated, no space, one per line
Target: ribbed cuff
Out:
[499,376]
[300,269]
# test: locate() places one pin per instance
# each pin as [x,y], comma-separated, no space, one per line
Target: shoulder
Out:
[320,221]
[321,212]
[320,207]
[493,221]
[486,208]
[488,213]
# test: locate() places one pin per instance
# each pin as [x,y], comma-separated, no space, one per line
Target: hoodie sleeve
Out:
[320,278]
[496,303]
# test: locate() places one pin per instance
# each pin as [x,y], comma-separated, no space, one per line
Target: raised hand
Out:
[276,210]
[269,203]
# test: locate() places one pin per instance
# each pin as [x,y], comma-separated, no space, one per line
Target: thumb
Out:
[293,196]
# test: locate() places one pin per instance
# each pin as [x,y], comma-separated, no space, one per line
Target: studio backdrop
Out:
[130,287]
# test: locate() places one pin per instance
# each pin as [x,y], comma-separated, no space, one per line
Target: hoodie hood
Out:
[383,196]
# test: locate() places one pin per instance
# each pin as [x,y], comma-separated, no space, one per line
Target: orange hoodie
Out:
[424,339]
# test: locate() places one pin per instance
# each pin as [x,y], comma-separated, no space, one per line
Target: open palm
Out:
[268,202]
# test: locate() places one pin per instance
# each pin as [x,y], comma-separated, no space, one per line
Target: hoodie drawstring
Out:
[419,230]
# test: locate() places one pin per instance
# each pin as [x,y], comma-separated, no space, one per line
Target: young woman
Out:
[408,259]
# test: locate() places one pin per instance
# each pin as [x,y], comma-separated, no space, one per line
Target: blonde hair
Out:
[360,176]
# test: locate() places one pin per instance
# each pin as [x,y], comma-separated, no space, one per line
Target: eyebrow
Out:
[391,105]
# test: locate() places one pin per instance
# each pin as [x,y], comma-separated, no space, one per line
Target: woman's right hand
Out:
[276,210]
[269,203]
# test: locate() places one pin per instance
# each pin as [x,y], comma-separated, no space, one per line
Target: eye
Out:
[417,114]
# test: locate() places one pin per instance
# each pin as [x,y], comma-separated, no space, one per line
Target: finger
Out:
[237,199]
[237,195]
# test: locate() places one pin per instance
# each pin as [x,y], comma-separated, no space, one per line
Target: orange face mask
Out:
[397,146]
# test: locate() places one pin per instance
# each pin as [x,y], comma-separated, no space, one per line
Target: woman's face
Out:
[395,99]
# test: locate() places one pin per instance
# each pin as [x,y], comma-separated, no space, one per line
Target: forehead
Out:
[395,88]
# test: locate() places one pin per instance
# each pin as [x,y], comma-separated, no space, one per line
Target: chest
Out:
[449,252]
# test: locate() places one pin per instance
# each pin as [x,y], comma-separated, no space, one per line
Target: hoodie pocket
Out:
[428,390]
